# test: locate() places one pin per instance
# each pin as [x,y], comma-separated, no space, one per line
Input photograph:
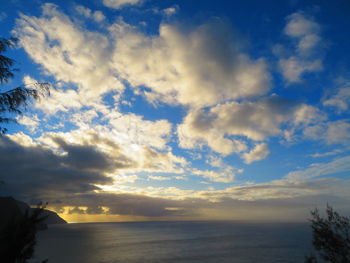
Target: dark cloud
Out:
[37,171]
[122,204]
[87,157]
[280,209]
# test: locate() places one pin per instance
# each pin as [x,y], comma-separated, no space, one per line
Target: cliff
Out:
[11,209]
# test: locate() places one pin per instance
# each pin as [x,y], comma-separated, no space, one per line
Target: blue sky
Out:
[181,110]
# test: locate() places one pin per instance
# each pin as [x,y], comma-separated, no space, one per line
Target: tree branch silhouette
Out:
[330,237]
[13,100]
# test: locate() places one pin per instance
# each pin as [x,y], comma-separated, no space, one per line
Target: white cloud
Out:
[171,10]
[117,4]
[126,154]
[254,120]
[337,165]
[22,139]
[338,132]
[215,161]
[197,67]
[158,178]
[299,26]
[340,98]
[293,68]
[31,122]
[58,100]
[332,132]
[124,178]
[305,32]
[160,162]
[306,115]
[197,130]
[84,11]
[133,129]
[260,152]
[61,100]
[222,172]
[98,16]
[330,153]
[69,53]
[226,175]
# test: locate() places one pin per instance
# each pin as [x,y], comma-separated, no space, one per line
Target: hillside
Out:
[12,209]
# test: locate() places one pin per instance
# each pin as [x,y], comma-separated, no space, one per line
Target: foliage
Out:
[310,259]
[331,237]
[18,238]
[12,100]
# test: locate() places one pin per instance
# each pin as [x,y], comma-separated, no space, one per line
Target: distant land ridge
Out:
[10,209]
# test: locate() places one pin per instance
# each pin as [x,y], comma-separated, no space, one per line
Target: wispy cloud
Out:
[117,4]
[337,165]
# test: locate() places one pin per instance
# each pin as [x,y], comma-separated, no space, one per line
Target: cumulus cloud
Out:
[97,16]
[117,4]
[254,120]
[87,157]
[339,98]
[293,68]
[90,160]
[121,151]
[261,151]
[154,161]
[215,161]
[305,30]
[306,115]
[68,52]
[171,10]
[34,169]
[31,122]
[331,132]
[134,129]
[178,64]
[198,130]
[305,33]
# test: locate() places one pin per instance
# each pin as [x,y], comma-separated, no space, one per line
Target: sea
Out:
[175,241]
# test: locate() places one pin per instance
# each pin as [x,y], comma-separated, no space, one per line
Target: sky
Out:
[180,109]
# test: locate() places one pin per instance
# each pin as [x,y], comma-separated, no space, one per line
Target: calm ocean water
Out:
[180,242]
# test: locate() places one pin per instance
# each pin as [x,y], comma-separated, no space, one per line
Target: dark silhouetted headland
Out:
[12,209]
